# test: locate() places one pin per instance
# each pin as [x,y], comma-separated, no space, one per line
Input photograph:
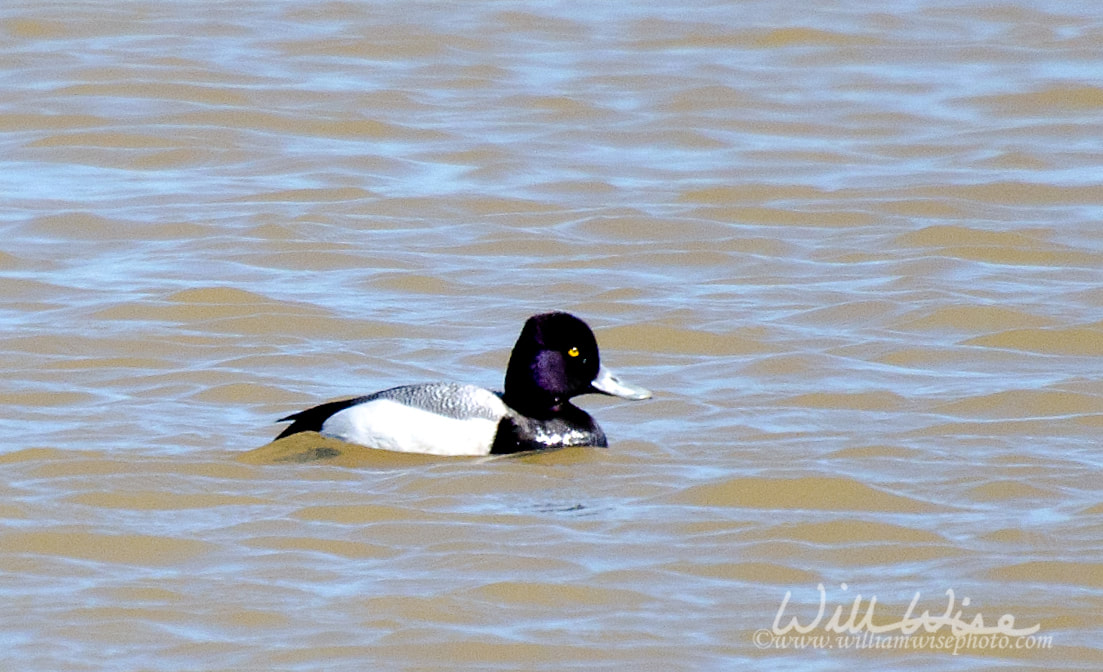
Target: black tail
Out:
[312,419]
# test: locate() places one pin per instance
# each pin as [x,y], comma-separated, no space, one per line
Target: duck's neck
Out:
[531,401]
[529,395]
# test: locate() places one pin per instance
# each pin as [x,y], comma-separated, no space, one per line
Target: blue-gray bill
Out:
[608,382]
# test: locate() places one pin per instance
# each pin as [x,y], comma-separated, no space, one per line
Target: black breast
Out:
[570,427]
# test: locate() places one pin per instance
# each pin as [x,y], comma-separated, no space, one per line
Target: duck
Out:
[554,360]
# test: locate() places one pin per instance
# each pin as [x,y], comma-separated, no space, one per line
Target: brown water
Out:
[855,249]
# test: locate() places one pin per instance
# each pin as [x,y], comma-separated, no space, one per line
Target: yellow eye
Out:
[573,352]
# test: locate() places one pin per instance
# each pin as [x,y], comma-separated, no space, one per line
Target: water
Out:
[854,250]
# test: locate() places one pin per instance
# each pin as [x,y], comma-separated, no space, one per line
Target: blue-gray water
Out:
[854,248]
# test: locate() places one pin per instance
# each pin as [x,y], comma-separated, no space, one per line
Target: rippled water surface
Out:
[855,249]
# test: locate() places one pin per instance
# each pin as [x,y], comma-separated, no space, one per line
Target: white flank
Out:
[389,425]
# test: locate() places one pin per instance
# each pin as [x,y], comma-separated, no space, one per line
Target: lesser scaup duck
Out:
[555,359]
